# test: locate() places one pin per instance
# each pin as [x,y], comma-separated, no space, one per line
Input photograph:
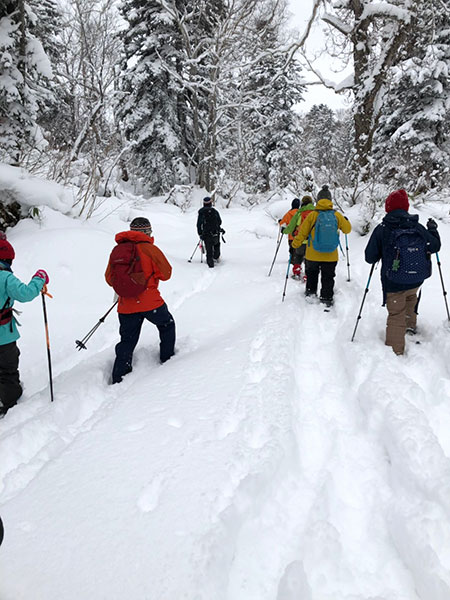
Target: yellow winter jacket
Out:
[307,227]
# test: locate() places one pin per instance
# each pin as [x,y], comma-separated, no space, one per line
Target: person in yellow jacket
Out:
[317,261]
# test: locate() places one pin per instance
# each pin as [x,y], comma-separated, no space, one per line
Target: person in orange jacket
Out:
[317,262]
[284,222]
[148,305]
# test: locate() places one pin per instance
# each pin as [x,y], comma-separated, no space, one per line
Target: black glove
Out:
[279,221]
[432,225]
[222,231]
[282,229]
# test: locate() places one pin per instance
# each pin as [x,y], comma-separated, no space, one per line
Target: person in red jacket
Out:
[148,305]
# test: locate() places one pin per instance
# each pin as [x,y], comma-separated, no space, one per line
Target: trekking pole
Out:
[276,252]
[195,250]
[443,287]
[81,344]
[362,303]
[287,277]
[348,260]
[47,338]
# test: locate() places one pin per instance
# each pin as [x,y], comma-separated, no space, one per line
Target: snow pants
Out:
[401,315]
[212,247]
[10,388]
[297,254]
[130,329]
[328,272]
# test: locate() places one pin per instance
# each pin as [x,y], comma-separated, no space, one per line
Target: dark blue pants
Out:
[130,329]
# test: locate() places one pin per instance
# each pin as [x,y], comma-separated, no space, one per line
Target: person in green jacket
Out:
[298,254]
[12,289]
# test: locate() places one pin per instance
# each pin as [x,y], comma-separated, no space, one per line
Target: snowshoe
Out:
[310,297]
[327,303]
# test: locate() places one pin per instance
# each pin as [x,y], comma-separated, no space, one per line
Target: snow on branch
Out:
[346,84]
[385,10]
[337,23]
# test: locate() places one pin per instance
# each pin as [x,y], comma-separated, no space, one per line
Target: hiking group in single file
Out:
[136,266]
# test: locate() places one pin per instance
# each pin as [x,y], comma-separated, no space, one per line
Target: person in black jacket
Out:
[209,230]
[404,247]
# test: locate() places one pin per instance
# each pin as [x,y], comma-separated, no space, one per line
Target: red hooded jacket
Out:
[155,266]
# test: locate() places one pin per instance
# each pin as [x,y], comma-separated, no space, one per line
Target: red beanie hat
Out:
[397,199]
[6,250]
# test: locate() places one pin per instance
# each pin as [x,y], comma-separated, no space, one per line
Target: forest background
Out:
[160,97]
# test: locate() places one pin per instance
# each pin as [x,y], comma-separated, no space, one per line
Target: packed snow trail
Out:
[270,459]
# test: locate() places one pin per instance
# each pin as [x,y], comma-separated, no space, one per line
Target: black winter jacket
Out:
[376,248]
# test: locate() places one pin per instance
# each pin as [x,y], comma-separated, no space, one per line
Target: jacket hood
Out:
[4,266]
[400,218]
[133,236]
[306,207]
[324,204]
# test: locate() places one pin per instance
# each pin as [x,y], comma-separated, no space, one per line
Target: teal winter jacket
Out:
[14,289]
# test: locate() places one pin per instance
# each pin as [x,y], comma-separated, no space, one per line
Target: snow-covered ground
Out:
[270,459]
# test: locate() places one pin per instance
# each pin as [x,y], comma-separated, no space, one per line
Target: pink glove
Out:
[42,274]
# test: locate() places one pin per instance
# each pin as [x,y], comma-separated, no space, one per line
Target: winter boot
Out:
[297,271]
[328,302]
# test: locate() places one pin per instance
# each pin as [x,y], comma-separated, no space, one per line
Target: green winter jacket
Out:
[14,289]
[296,219]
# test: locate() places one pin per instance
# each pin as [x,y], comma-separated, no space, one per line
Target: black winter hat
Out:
[141,224]
[324,193]
[207,200]
[295,203]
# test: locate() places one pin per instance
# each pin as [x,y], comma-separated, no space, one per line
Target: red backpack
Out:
[127,277]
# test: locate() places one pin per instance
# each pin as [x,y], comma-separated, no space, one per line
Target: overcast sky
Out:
[315,94]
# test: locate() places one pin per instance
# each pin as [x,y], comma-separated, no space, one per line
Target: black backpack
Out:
[210,221]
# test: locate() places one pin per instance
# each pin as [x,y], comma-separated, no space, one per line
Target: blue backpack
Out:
[326,238]
[407,259]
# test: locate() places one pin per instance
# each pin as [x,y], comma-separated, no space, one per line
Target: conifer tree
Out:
[270,86]
[24,74]
[413,141]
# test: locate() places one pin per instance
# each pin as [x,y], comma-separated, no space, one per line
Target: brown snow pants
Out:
[401,314]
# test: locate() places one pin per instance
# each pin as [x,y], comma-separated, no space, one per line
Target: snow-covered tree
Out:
[327,144]
[85,72]
[413,141]
[266,86]
[318,140]
[372,35]
[196,75]
[24,74]
[164,103]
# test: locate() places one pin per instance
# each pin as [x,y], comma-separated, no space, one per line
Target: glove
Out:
[431,225]
[279,221]
[282,229]
[222,230]
[43,275]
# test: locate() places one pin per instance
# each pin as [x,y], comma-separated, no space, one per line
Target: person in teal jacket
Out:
[12,289]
